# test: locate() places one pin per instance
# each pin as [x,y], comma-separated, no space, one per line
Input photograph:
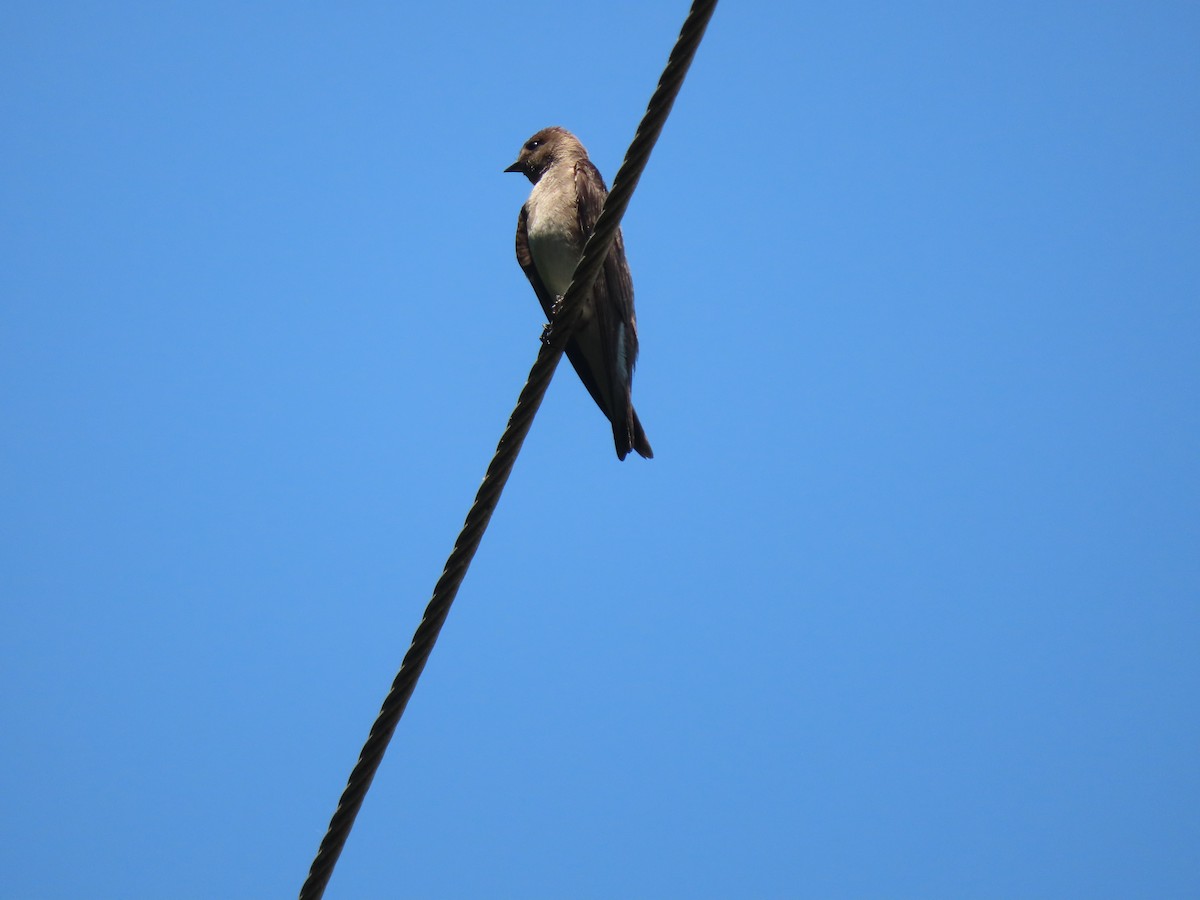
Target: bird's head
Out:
[544,149]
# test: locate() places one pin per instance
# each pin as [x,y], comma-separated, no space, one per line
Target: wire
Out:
[519,423]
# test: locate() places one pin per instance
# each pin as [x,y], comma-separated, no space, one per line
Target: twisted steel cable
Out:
[488,497]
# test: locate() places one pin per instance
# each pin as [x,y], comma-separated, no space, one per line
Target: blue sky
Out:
[905,606]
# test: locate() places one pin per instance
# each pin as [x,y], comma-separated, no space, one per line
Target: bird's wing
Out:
[612,296]
[525,260]
[614,284]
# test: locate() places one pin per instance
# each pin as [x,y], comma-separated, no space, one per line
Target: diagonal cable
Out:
[519,423]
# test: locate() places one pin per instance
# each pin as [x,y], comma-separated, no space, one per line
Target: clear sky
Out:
[907,604]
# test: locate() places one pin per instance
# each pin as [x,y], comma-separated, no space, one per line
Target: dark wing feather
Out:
[613,298]
[525,260]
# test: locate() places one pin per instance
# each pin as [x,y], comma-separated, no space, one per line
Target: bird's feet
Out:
[555,309]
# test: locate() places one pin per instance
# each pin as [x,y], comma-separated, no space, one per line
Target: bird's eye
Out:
[532,145]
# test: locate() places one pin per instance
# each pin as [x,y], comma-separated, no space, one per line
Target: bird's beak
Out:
[518,166]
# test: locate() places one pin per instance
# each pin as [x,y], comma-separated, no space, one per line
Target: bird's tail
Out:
[628,435]
[640,444]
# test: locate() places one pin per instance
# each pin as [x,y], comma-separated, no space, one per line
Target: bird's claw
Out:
[555,309]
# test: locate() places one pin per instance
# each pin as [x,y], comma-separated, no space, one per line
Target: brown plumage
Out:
[555,222]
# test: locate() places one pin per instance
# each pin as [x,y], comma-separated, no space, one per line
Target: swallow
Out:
[552,228]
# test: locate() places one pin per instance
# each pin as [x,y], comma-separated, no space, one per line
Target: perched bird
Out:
[553,226]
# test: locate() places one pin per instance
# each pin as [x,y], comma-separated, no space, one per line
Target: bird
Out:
[552,228]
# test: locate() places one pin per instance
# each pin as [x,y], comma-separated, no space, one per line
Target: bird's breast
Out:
[555,242]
